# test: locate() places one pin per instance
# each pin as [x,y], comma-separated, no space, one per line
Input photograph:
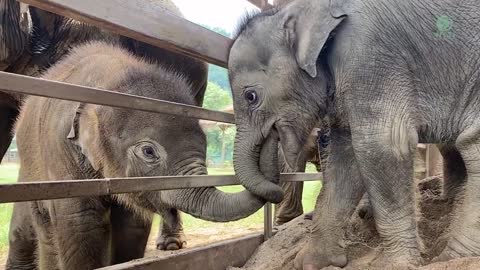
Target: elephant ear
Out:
[84,133]
[309,27]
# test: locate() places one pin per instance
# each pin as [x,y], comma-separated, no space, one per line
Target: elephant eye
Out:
[148,152]
[251,97]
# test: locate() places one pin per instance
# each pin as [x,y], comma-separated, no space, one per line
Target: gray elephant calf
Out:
[60,139]
[388,75]
[32,40]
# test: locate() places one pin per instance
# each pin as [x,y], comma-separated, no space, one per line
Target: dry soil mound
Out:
[362,239]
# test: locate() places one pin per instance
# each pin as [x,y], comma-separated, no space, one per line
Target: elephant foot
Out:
[459,248]
[311,257]
[171,242]
[285,217]
[396,262]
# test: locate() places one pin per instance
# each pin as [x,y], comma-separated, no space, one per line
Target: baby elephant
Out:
[387,75]
[60,139]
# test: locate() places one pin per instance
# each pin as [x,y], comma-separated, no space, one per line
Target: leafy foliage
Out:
[218,30]
[216,98]
[215,138]
[218,74]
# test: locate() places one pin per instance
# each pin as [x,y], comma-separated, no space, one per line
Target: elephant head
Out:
[118,142]
[281,86]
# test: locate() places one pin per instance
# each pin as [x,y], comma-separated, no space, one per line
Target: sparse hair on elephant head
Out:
[271,77]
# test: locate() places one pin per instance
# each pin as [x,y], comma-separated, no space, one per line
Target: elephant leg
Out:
[385,153]
[22,239]
[130,233]
[47,251]
[81,232]
[171,236]
[464,239]
[454,171]
[291,206]
[342,190]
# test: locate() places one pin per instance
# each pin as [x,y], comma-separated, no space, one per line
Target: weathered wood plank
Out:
[150,25]
[46,190]
[46,88]
[217,256]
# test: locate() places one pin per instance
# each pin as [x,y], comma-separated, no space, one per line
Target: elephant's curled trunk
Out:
[256,164]
[209,203]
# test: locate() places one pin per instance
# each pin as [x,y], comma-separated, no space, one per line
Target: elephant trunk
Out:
[256,164]
[209,203]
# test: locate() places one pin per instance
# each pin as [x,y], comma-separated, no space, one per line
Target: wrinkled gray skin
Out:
[392,75]
[84,141]
[31,40]
[291,205]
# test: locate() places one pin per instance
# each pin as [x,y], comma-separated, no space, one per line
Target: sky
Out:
[219,13]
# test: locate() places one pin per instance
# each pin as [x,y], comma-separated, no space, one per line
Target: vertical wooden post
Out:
[427,161]
[433,160]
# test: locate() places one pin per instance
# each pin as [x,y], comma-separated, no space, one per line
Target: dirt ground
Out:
[201,237]
[362,240]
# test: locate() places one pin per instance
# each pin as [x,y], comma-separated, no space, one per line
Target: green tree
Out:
[220,142]
[219,76]
[216,98]
[217,30]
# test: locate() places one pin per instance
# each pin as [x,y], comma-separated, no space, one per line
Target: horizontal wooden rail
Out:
[46,88]
[217,256]
[46,190]
[143,21]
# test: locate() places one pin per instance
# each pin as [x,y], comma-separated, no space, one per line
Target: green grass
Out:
[9,172]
